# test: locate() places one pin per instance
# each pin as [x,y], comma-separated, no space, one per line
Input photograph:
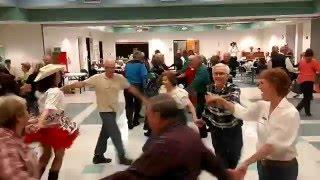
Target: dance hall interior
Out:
[159,89]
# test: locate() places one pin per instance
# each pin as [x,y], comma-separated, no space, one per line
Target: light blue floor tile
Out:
[93,169]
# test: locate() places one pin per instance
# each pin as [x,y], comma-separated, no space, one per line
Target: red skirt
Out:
[55,137]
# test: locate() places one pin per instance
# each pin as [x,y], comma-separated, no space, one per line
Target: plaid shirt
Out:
[17,162]
[219,117]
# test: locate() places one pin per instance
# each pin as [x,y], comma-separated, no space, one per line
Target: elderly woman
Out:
[181,96]
[278,123]
[16,159]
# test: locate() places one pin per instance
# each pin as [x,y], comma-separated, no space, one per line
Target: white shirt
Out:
[233,51]
[52,99]
[280,129]
[180,95]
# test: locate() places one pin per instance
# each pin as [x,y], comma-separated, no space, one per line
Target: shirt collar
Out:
[283,103]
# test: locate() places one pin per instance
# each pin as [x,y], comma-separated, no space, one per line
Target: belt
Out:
[267,162]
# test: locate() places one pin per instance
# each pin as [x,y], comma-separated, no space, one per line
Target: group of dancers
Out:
[277,119]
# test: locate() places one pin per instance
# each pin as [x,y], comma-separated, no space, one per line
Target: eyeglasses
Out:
[219,74]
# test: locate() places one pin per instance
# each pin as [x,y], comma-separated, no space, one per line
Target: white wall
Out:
[306,35]
[275,35]
[22,43]
[67,39]
[210,42]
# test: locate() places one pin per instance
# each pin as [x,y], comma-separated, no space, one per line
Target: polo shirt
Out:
[107,90]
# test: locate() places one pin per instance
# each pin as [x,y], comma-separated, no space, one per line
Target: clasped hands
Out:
[211,99]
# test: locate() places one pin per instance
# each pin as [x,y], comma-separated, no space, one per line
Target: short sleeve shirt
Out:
[52,99]
[180,95]
[107,90]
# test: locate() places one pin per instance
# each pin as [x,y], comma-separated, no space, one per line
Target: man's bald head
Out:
[109,66]
[195,61]
[226,57]
[47,59]
[109,63]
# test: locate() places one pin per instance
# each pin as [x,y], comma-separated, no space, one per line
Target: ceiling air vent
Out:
[92,1]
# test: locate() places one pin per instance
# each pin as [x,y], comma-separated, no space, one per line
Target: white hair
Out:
[227,69]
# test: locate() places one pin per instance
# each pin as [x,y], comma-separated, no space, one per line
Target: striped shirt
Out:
[217,117]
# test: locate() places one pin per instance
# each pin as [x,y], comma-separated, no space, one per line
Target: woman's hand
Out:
[199,122]
[214,99]
[31,128]
[243,167]
[237,174]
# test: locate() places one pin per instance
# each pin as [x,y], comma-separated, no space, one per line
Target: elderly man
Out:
[47,59]
[107,87]
[136,73]
[280,60]
[176,151]
[200,81]
[226,132]
[231,62]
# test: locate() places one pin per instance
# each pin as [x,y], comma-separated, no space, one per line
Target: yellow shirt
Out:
[107,90]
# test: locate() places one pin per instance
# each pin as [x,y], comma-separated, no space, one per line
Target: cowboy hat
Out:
[48,70]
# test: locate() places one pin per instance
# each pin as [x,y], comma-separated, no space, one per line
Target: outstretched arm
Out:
[80,84]
[138,94]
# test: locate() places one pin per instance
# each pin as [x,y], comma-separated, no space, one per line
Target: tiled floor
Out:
[82,108]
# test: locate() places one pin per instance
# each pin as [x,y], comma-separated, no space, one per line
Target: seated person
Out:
[17,161]
[175,151]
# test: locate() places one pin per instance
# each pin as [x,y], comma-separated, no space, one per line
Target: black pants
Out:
[307,91]
[268,172]
[228,143]
[133,106]
[201,101]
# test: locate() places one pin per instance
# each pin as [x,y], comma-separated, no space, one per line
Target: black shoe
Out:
[125,161]
[308,114]
[53,175]
[100,159]
[147,133]
[136,123]
[130,126]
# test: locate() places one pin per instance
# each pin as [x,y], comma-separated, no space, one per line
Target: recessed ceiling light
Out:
[184,28]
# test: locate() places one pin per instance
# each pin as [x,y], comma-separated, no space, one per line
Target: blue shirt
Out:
[136,72]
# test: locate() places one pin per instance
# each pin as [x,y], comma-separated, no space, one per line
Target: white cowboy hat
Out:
[48,70]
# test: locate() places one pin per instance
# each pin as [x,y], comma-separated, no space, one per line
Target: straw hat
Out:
[48,70]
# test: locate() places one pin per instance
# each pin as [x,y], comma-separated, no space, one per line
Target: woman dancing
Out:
[55,131]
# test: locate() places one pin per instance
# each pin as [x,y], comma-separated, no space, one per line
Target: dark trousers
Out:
[228,143]
[133,106]
[201,101]
[109,129]
[273,172]
[307,91]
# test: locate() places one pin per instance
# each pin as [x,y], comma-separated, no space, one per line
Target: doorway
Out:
[124,50]
[188,45]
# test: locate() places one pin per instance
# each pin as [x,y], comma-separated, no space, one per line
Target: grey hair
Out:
[227,69]
[137,55]
[11,106]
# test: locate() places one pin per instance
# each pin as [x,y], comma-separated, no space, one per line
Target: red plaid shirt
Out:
[17,162]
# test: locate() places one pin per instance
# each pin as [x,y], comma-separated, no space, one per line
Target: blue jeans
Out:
[109,129]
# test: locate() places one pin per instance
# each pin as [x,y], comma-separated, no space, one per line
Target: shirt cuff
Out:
[238,111]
